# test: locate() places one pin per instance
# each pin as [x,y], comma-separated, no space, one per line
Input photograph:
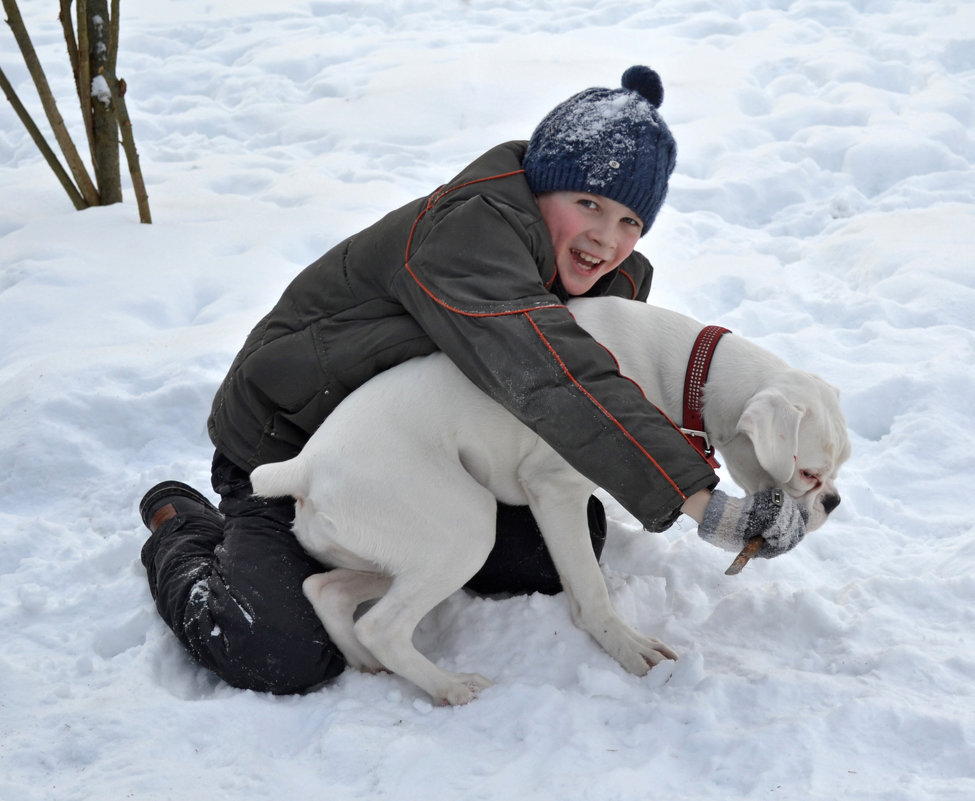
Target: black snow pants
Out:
[231,590]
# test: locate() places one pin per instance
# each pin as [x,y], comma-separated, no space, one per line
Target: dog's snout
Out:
[830,502]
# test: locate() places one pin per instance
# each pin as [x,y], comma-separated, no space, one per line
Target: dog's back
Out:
[420,430]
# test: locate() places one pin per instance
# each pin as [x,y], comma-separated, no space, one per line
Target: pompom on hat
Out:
[610,142]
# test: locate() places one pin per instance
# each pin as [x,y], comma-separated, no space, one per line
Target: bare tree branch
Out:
[73,56]
[84,79]
[102,103]
[65,17]
[75,164]
[113,38]
[128,144]
[49,155]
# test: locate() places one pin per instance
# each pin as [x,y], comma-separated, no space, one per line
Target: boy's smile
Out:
[591,235]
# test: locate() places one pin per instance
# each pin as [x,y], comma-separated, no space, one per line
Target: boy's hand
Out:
[771,514]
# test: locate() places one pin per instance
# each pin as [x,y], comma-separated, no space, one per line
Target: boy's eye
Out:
[589,204]
[631,221]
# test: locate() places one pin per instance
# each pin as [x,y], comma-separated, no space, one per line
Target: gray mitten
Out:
[772,514]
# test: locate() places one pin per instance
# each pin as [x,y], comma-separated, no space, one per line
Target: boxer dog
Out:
[397,490]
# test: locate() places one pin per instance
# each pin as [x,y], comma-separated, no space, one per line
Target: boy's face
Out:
[591,235]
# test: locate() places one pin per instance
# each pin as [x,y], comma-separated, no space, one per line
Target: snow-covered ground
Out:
[823,205]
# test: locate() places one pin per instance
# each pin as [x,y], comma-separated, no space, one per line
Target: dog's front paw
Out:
[638,654]
[658,652]
[464,688]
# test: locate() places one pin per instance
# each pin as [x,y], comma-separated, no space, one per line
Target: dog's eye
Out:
[812,478]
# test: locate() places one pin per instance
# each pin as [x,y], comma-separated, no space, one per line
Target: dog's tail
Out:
[277,479]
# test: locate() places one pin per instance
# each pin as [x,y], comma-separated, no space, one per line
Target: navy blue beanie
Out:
[610,142]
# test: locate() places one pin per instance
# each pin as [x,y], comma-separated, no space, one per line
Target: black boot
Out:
[170,498]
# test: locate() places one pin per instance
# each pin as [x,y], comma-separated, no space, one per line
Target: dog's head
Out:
[792,435]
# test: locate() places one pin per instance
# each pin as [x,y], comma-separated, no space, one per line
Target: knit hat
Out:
[611,142]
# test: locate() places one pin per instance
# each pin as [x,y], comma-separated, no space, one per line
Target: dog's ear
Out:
[771,422]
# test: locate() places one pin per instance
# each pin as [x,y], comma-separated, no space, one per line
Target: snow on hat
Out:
[611,142]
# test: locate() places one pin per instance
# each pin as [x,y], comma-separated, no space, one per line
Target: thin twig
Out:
[49,155]
[113,23]
[72,44]
[128,144]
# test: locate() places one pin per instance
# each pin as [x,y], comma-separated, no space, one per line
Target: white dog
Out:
[397,490]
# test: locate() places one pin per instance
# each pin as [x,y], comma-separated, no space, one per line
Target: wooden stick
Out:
[752,547]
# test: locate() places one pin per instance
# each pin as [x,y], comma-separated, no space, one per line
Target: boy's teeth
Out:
[587,258]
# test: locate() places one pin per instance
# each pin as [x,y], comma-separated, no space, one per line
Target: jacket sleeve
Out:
[473,285]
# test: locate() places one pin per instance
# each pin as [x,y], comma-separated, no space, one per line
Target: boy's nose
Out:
[602,235]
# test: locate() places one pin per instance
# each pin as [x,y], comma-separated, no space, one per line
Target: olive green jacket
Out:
[469,270]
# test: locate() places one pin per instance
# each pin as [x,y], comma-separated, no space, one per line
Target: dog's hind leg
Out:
[387,631]
[335,597]
[455,544]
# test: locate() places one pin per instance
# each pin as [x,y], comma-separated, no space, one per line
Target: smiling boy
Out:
[591,235]
[481,270]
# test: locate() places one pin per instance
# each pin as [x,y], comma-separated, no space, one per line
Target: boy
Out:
[481,270]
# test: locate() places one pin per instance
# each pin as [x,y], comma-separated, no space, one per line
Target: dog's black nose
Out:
[830,502]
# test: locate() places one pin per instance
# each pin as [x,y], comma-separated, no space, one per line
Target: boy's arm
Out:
[481,301]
